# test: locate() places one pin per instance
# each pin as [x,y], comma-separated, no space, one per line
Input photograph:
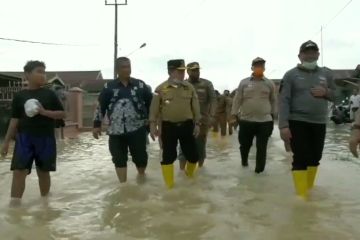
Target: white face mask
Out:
[310,65]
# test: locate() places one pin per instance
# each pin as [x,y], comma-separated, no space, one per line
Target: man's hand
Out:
[287,146]
[5,149]
[96,133]
[152,137]
[354,142]
[41,109]
[285,134]
[196,131]
[318,91]
[233,119]
[154,131]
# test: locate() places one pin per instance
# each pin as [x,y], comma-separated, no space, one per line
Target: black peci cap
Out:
[308,45]
[193,65]
[258,60]
[178,64]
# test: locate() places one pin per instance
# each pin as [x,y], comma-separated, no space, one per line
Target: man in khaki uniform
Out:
[232,124]
[176,103]
[254,105]
[229,101]
[207,100]
[221,114]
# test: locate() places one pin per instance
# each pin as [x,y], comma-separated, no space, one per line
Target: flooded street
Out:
[225,201]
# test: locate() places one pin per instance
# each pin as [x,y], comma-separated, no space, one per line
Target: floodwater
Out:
[225,201]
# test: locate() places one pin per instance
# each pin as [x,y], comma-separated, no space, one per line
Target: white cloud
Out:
[224,36]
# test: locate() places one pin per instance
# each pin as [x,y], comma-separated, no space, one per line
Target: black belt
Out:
[177,123]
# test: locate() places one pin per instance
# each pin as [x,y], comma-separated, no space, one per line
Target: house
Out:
[77,90]
[69,79]
[8,80]
[9,85]
[346,81]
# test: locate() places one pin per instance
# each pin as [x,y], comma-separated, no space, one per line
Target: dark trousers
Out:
[220,121]
[135,142]
[171,133]
[201,141]
[307,144]
[247,132]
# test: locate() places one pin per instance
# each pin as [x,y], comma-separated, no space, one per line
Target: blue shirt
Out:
[127,107]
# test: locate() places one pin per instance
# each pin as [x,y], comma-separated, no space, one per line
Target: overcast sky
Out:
[223,35]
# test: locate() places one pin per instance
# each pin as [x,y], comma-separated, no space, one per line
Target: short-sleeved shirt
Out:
[221,105]
[175,102]
[38,125]
[355,101]
[127,107]
[254,100]
[207,98]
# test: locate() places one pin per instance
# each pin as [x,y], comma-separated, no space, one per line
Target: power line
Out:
[341,10]
[333,18]
[36,42]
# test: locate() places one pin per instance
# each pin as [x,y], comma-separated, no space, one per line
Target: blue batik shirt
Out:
[127,107]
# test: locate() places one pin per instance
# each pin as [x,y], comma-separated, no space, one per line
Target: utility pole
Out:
[115,4]
[322,47]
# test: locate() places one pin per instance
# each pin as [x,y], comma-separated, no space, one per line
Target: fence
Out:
[88,108]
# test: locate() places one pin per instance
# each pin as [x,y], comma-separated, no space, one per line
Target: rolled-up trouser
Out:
[307,144]
[135,142]
[247,132]
[171,133]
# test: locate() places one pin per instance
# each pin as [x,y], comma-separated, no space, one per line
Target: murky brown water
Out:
[225,201]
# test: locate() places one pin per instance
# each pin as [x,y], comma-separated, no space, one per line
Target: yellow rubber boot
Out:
[190,169]
[311,173]
[168,174]
[300,181]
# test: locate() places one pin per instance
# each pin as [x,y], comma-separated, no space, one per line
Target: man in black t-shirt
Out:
[34,111]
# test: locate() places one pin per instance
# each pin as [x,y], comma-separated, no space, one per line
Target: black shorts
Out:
[29,148]
[135,142]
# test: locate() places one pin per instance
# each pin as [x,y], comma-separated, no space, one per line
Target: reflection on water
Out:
[336,144]
[225,201]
